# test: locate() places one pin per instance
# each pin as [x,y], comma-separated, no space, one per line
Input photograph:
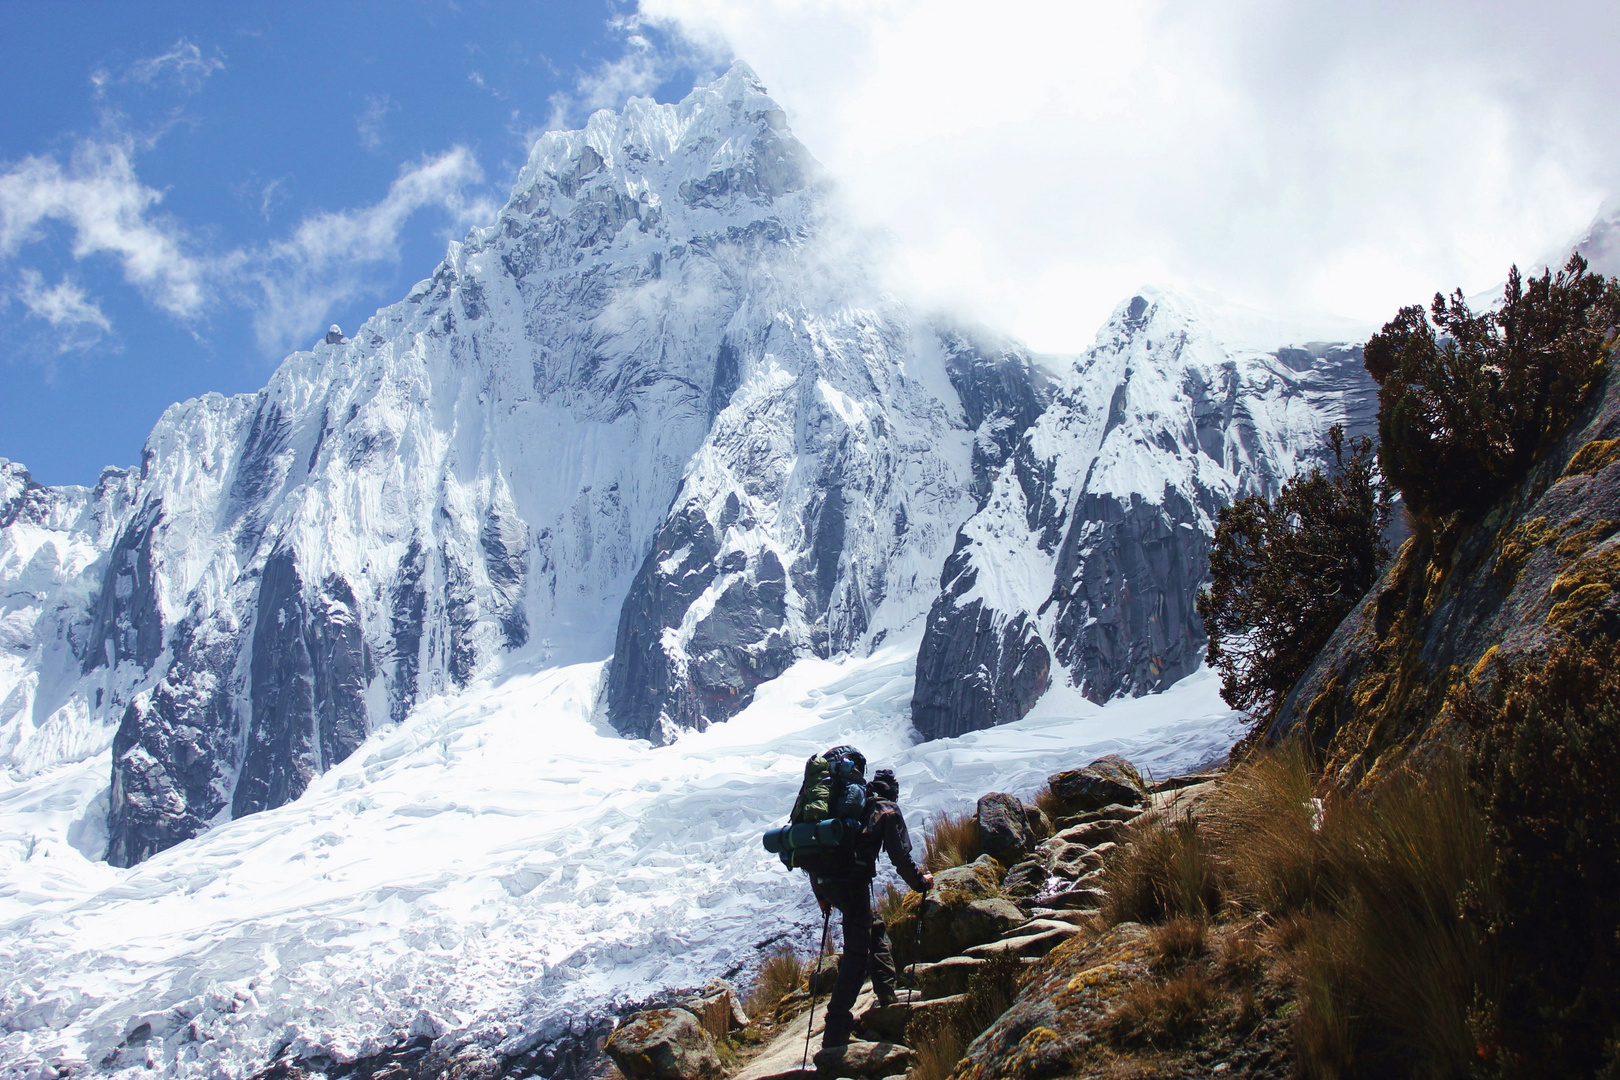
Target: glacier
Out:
[444,685]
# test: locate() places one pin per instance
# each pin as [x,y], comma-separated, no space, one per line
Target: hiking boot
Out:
[839,1029]
[885,998]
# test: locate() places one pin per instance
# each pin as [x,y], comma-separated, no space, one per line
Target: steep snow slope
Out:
[497,860]
[1083,562]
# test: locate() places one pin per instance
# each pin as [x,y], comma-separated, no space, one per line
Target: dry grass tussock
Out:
[1155,1012]
[781,974]
[952,841]
[1178,940]
[1161,874]
[943,1036]
[1366,905]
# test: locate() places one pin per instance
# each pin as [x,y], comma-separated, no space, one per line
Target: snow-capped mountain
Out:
[652,451]
[1084,558]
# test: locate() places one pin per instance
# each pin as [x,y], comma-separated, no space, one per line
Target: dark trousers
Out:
[866,950]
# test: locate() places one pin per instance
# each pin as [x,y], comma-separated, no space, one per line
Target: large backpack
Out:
[827,813]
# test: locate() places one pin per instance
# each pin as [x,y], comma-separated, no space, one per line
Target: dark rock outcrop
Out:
[309,670]
[1544,561]
[1118,563]
[127,620]
[173,748]
[1004,834]
[1107,781]
[176,749]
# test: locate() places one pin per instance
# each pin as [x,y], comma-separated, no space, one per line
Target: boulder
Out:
[889,1022]
[1037,944]
[1036,926]
[664,1044]
[947,978]
[1025,879]
[820,973]
[1107,780]
[964,908]
[1039,823]
[1004,832]
[864,1059]
[718,1009]
[1075,900]
[1111,812]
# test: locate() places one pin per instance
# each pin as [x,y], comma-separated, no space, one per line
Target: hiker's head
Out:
[883,785]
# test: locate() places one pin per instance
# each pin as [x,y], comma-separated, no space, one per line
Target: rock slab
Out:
[864,1059]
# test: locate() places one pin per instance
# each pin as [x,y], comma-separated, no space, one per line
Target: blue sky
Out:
[190,190]
[157,161]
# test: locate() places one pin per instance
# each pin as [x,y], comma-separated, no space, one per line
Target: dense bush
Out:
[1286,571]
[1549,765]
[1467,400]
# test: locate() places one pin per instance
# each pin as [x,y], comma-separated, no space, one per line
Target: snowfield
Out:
[496,866]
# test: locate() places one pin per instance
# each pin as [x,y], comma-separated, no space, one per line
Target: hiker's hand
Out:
[928,882]
[826,908]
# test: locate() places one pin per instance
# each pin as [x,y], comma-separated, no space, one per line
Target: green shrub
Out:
[1466,401]
[1549,764]
[1285,572]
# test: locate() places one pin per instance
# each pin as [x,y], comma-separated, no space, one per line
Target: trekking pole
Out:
[815,984]
[916,941]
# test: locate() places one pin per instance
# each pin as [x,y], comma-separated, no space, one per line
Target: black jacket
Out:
[884,831]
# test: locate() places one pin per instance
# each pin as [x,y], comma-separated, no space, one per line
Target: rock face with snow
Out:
[1085,556]
[658,409]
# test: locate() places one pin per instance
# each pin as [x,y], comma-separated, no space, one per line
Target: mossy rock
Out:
[951,921]
[664,1044]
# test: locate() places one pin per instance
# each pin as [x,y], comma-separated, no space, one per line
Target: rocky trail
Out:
[979,922]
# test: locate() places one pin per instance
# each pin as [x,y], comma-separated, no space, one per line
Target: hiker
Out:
[848,887]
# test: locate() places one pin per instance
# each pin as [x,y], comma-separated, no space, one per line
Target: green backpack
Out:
[827,813]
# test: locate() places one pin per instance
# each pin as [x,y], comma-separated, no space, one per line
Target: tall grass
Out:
[952,841]
[1160,874]
[781,974]
[1382,891]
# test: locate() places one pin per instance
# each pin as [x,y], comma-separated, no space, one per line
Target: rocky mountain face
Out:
[1091,538]
[658,409]
[1544,562]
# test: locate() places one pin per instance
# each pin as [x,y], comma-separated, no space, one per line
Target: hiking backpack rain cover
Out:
[827,814]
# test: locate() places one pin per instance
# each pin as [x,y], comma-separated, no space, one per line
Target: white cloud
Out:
[184,64]
[638,71]
[77,319]
[290,285]
[109,211]
[1037,162]
[370,122]
[325,262]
